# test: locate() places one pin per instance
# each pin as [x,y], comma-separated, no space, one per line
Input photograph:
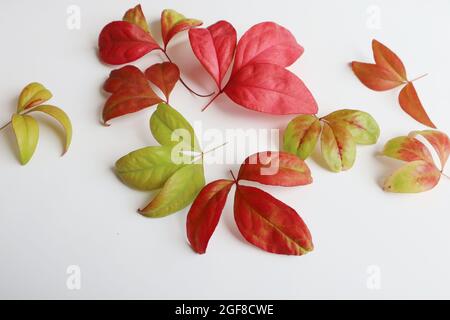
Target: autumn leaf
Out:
[173,23]
[205,213]
[32,95]
[387,73]
[214,47]
[410,103]
[275,168]
[164,76]
[123,42]
[420,173]
[137,17]
[269,223]
[301,136]
[338,147]
[128,76]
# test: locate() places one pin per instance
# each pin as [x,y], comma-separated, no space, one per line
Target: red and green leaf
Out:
[165,76]
[407,149]
[338,147]
[122,42]
[205,213]
[137,17]
[173,23]
[214,47]
[269,223]
[275,168]
[301,136]
[439,141]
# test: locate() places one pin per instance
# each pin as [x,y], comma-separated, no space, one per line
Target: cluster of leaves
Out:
[131,90]
[420,173]
[263,220]
[340,132]
[259,80]
[26,128]
[175,167]
[388,73]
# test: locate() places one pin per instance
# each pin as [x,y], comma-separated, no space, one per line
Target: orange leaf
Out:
[375,77]
[388,60]
[410,103]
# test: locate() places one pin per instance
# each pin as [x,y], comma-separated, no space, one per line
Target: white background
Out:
[58,212]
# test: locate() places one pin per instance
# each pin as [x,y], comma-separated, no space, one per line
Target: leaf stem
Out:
[234,178]
[5,126]
[212,100]
[418,78]
[184,83]
[444,175]
[216,148]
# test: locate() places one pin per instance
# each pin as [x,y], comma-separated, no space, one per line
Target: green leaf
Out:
[338,147]
[148,168]
[33,95]
[361,125]
[178,192]
[170,128]
[26,130]
[60,116]
[301,136]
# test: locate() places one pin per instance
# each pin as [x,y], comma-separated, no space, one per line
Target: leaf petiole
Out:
[418,78]
[212,100]
[184,83]
[6,125]
[232,175]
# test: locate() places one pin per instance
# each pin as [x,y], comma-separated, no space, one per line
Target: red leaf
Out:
[267,42]
[128,76]
[128,100]
[214,47]
[269,223]
[385,58]
[275,168]
[271,89]
[164,76]
[375,77]
[205,213]
[122,42]
[410,103]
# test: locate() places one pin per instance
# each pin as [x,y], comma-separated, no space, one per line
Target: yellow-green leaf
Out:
[173,22]
[170,128]
[148,168]
[178,192]
[26,130]
[137,17]
[414,177]
[32,95]
[338,147]
[60,116]
[301,135]
[361,125]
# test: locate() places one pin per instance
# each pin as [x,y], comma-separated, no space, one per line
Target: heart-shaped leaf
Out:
[60,116]
[137,17]
[413,177]
[301,136]
[410,103]
[407,149]
[362,126]
[173,22]
[271,89]
[122,42]
[338,147]
[440,142]
[164,76]
[147,169]
[170,128]
[205,213]
[128,76]
[275,168]
[214,47]
[385,58]
[178,192]
[267,43]
[269,223]
[129,100]
[32,95]
[26,130]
